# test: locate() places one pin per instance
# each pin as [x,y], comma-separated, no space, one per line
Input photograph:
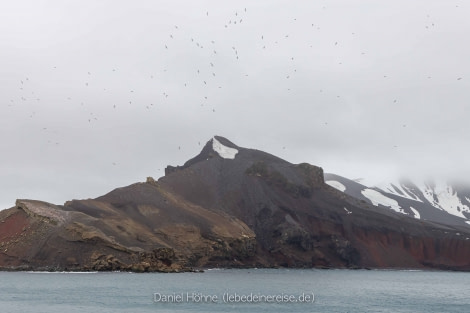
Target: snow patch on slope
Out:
[224,151]
[336,184]
[444,197]
[416,213]
[377,198]
[398,189]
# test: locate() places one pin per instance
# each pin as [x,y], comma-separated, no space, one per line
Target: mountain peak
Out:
[224,148]
[216,146]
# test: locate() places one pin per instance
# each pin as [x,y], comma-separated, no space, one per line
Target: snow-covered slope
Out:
[438,201]
[440,194]
[400,188]
[445,197]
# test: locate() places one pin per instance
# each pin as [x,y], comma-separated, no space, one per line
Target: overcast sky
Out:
[101,94]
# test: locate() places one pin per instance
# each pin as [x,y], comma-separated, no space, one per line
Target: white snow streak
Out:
[416,213]
[398,189]
[377,198]
[336,184]
[444,197]
[223,151]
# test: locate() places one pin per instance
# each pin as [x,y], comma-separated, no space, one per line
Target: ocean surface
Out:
[234,290]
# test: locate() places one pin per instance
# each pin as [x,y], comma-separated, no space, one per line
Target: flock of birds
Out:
[204,79]
[196,67]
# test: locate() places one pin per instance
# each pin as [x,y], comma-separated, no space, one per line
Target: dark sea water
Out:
[254,290]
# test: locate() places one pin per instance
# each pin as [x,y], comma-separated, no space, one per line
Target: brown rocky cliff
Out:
[97,235]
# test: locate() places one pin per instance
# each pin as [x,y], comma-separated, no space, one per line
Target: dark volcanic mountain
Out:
[228,206]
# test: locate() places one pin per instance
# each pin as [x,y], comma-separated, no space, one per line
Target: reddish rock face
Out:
[13,225]
[246,209]
[403,250]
